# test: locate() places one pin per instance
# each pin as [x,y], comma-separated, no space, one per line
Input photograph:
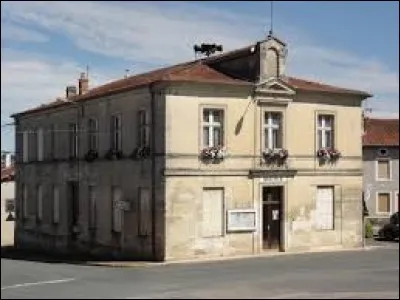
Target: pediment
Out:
[274,86]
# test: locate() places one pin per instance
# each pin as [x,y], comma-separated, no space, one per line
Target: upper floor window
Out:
[325,131]
[24,198]
[116,134]
[73,140]
[144,130]
[383,170]
[273,130]
[40,144]
[213,129]
[34,145]
[92,134]
[25,146]
[52,141]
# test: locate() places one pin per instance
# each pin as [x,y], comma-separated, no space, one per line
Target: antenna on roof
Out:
[271,19]
[207,49]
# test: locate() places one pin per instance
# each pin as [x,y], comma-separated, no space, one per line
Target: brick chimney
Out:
[70,91]
[83,84]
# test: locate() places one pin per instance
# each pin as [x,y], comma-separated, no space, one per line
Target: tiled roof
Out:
[306,85]
[194,71]
[381,132]
[7,174]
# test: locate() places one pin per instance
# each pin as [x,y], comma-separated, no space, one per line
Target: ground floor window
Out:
[116,209]
[324,208]
[213,212]
[383,202]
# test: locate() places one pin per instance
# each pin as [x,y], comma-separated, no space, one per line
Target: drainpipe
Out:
[153,171]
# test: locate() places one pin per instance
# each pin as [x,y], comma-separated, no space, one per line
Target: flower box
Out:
[275,154]
[140,152]
[112,153]
[328,154]
[213,153]
[91,155]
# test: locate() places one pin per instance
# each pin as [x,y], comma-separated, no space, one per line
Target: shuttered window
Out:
[383,169]
[39,203]
[383,202]
[25,146]
[213,212]
[144,211]
[40,144]
[324,208]
[92,207]
[116,209]
[56,205]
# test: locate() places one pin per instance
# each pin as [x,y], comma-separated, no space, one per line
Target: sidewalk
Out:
[133,264]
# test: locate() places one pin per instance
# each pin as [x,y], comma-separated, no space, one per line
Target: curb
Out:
[133,264]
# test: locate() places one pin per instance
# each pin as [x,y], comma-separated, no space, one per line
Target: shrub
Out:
[368,231]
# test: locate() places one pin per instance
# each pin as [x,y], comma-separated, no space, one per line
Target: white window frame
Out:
[270,127]
[117,212]
[116,132]
[56,204]
[210,124]
[324,128]
[143,128]
[40,144]
[92,218]
[332,225]
[25,146]
[377,193]
[73,139]
[377,178]
[39,202]
[92,136]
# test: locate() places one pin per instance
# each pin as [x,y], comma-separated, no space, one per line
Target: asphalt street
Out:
[362,274]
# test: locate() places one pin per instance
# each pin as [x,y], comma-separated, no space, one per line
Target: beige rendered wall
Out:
[127,174]
[187,175]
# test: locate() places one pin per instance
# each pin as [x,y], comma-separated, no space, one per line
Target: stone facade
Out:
[372,186]
[176,177]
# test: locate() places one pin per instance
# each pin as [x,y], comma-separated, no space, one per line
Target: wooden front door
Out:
[272,215]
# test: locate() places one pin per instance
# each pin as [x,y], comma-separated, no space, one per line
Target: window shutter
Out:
[39,195]
[117,212]
[40,141]
[383,170]
[25,146]
[212,212]
[56,205]
[324,208]
[144,211]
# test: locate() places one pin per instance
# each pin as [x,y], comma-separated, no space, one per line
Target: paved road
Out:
[361,274]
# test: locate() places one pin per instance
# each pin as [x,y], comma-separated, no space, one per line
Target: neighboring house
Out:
[225,155]
[7,200]
[381,168]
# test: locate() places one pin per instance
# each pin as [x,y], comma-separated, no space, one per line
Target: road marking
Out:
[36,283]
[338,295]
